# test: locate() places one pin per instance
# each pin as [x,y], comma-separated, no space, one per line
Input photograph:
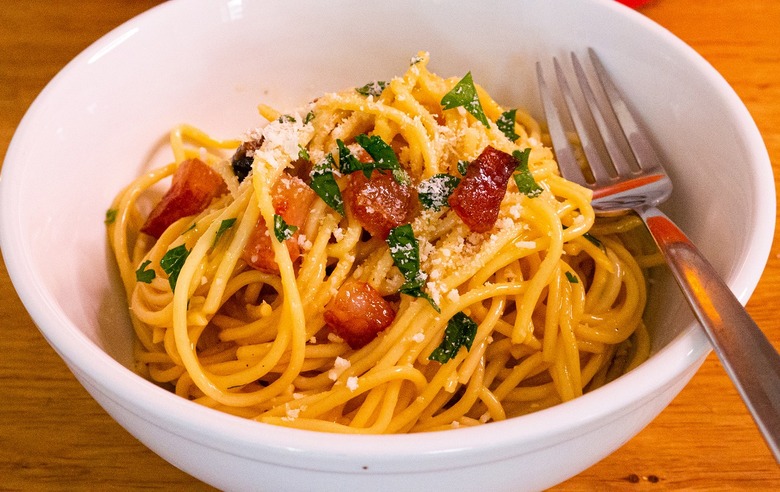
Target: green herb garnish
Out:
[434,191]
[144,275]
[309,117]
[572,278]
[111,215]
[324,184]
[405,251]
[303,153]
[286,118]
[374,88]
[348,163]
[382,154]
[223,227]
[465,94]
[282,230]
[506,123]
[463,166]
[593,239]
[523,177]
[460,332]
[172,262]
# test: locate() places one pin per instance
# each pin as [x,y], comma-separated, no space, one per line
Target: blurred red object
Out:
[633,3]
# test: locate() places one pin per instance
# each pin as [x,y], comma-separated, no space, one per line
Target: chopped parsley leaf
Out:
[572,278]
[460,332]
[144,275]
[374,88]
[282,230]
[309,117]
[593,239]
[463,166]
[111,215]
[172,262]
[523,177]
[405,251]
[506,123]
[434,191]
[286,118]
[406,256]
[303,153]
[590,237]
[324,184]
[382,154]
[465,94]
[223,227]
[348,163]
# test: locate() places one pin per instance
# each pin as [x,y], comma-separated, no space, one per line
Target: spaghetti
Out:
[368,264]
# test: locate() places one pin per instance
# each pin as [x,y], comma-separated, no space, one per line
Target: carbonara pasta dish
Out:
[398,257]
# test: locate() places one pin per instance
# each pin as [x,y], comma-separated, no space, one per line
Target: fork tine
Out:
[644,153]
[609,132]
[567,162]
[597,165]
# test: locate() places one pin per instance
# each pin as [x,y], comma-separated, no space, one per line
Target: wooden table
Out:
[54,436]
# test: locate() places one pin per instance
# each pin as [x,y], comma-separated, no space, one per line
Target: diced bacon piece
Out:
[358,313]
[193,187]
[478,197]
[259,252]
[292,199]
[379,202]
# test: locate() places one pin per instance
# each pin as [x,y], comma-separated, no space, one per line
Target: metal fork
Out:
[622,187]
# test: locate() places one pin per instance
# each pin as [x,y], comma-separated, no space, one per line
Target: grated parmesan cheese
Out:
[453,295]
[352,383]
[291,413]
[504,223]
[252,135]
[282,138]
[339,366]
[304,243]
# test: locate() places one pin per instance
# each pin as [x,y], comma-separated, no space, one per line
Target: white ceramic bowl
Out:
[209,62]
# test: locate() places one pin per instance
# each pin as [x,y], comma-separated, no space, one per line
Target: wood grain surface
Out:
[53,436]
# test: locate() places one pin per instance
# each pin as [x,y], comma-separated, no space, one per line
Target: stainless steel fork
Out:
[621,186]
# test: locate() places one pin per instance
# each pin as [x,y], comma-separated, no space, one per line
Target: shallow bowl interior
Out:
[105,117]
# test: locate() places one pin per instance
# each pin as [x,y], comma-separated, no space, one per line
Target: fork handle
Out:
[748,357]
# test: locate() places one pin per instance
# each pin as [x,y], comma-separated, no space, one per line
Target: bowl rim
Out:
[240,436]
